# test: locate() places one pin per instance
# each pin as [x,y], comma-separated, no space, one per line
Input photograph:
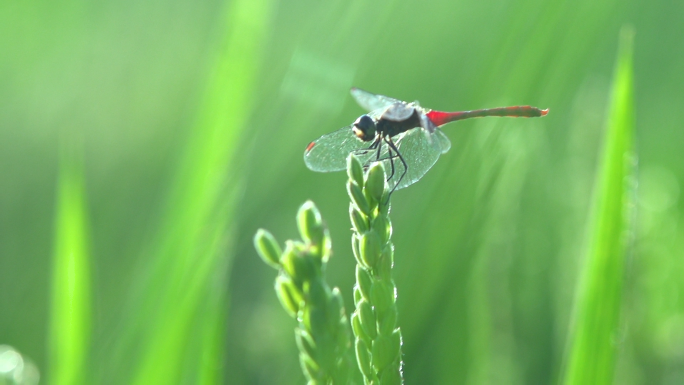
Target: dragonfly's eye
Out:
[364,128]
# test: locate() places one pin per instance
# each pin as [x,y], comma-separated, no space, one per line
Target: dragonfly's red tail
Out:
[439,118]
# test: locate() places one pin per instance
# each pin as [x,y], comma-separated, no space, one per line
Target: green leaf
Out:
[391,375]
[369,248]
[305,343]
[386,261]
[296,263]
[384,351]
[310,367]
[358,328]
[70,313]
[358,296]
[592,348]
[310,224]
[363,281]
[382,226]
[358,198]
[189,261]
[354,169]
[363,358]
[318,292]
[288,294]
[382,296]
[335,309]
[367,318]
[356,250]
[267,248]
[375,182]
[358,219]
[387,321]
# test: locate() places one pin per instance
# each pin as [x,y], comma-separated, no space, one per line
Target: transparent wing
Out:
[329,152]
[372,102]
[441,140]
[419,149]
[398,112]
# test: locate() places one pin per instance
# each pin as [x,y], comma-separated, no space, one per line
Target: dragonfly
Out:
[405,137]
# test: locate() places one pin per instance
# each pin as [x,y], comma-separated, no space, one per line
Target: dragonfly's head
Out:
[364,128]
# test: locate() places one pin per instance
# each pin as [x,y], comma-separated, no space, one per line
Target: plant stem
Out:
[374,322]
[322,332]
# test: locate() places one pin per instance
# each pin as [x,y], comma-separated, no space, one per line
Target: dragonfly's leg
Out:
[362,152]
[390,156]
[391,159]
[378,143]
[365,154]
[401,158]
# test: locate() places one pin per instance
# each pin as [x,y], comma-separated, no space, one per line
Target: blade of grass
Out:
[593,346]
[70,316]
[189,262]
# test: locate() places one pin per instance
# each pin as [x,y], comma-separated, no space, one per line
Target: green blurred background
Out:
[178,129]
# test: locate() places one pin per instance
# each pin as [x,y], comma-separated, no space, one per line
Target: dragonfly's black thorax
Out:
[389,124]
[391,128]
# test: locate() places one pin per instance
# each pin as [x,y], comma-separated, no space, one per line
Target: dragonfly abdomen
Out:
[439,117]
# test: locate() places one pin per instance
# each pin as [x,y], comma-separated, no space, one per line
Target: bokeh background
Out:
[169,131]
